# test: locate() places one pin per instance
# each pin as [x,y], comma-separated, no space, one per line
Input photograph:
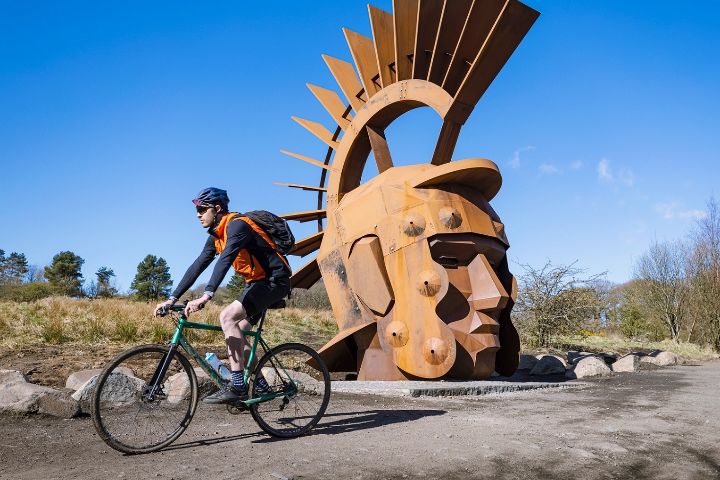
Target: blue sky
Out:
[604,124]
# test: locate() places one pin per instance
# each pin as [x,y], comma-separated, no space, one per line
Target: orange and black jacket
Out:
[240,244]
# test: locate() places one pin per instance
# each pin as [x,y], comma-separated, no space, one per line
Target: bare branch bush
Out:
[556,300]
[662,284]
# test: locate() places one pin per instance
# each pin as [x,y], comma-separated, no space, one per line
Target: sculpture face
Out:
[417,274]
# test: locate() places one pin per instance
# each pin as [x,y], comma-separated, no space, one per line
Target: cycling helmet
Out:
[212,196]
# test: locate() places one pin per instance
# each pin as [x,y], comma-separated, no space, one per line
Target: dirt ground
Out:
[658,424]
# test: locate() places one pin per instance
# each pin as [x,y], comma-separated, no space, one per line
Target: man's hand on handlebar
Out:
[161,308]
[195,305]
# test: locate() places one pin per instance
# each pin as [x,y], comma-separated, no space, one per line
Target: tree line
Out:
[24,282]
[674,293]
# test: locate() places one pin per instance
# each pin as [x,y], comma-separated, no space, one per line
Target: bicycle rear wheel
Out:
[299,373]
[131,415]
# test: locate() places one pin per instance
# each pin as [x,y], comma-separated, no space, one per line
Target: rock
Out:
[58,404]
[549,364]
[589,367]
[628,363]
[662,359]
[177,387]
[574,356]
[77,379]
[527,362]
[120,389]
[205,384]
[18,396]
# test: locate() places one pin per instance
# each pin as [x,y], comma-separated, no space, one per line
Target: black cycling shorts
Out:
[259,295]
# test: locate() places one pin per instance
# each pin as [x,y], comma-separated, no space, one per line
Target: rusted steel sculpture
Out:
[414,260]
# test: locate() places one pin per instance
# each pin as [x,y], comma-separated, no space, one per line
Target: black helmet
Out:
[211,196]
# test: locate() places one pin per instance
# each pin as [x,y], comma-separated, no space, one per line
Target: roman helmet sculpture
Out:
[414,260]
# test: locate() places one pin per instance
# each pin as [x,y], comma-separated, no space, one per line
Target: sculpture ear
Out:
[477,173]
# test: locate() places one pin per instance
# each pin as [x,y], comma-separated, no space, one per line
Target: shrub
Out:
[93,329]
[28,292]
[54,331]
[126,331]
[160,333]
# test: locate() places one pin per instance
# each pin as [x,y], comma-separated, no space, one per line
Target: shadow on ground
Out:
[339,423]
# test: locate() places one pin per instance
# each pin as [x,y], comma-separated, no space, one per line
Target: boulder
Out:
[589,367]
[18,396]
[574,356]
[549,364]
[78,379]
[120,389]
[527,362]
[628,363]
[662,359]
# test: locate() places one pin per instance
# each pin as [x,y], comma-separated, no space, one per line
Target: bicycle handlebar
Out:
[177,307]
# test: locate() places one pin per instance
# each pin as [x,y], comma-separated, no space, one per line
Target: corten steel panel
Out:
[312,188]
[309,160]
[363,53]
[307,245]
[453,18]
[428,20]
[307,276]
[405,14]
[414,260]
[319,131]
[383,36]
[333,104]
[346,79]
[480,21]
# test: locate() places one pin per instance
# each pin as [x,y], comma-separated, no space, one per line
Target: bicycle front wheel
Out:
[135,410]
[300,384]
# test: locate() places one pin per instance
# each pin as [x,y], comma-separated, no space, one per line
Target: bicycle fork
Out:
[154,385]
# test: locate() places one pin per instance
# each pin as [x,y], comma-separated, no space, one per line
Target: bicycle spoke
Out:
[132,420]
[307,390]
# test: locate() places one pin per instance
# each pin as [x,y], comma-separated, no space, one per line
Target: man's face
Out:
[206,215]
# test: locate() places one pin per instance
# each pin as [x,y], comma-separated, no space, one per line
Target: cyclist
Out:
[241,243]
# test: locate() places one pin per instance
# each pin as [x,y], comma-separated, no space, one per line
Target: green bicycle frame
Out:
[179,339]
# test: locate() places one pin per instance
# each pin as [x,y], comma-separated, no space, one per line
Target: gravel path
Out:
[658,424]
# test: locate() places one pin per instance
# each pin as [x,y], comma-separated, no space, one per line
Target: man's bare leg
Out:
[233,319]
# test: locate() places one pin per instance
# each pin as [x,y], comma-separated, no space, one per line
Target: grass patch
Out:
[160,333]
[126,331]
[54,331]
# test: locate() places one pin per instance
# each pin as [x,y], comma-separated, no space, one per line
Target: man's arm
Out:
[238,236]
[198,266]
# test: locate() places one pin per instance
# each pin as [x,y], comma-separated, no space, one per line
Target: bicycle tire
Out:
[120,401]
[307,405]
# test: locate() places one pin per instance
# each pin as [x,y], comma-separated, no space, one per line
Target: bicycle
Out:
[146,397]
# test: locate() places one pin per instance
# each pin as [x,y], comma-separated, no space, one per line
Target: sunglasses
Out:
[202,208]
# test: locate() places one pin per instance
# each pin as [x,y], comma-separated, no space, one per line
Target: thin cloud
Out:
[515,160]
[576,165]
[604,171]
[671,211]
[548,168]
[606,175]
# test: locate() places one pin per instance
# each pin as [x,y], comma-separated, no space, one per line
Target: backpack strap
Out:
[265,237]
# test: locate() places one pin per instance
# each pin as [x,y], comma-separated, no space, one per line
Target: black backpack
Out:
[276,228]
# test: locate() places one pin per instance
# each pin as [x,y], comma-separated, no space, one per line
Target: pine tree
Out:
[236,285]
[152,280]
[12,268]
[104,277]
[64,273]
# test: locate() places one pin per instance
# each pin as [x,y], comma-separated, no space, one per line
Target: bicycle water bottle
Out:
[218,366]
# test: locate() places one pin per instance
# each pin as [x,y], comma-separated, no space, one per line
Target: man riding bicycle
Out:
[239,242]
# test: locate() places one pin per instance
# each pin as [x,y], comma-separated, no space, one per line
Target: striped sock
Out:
[238,380]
